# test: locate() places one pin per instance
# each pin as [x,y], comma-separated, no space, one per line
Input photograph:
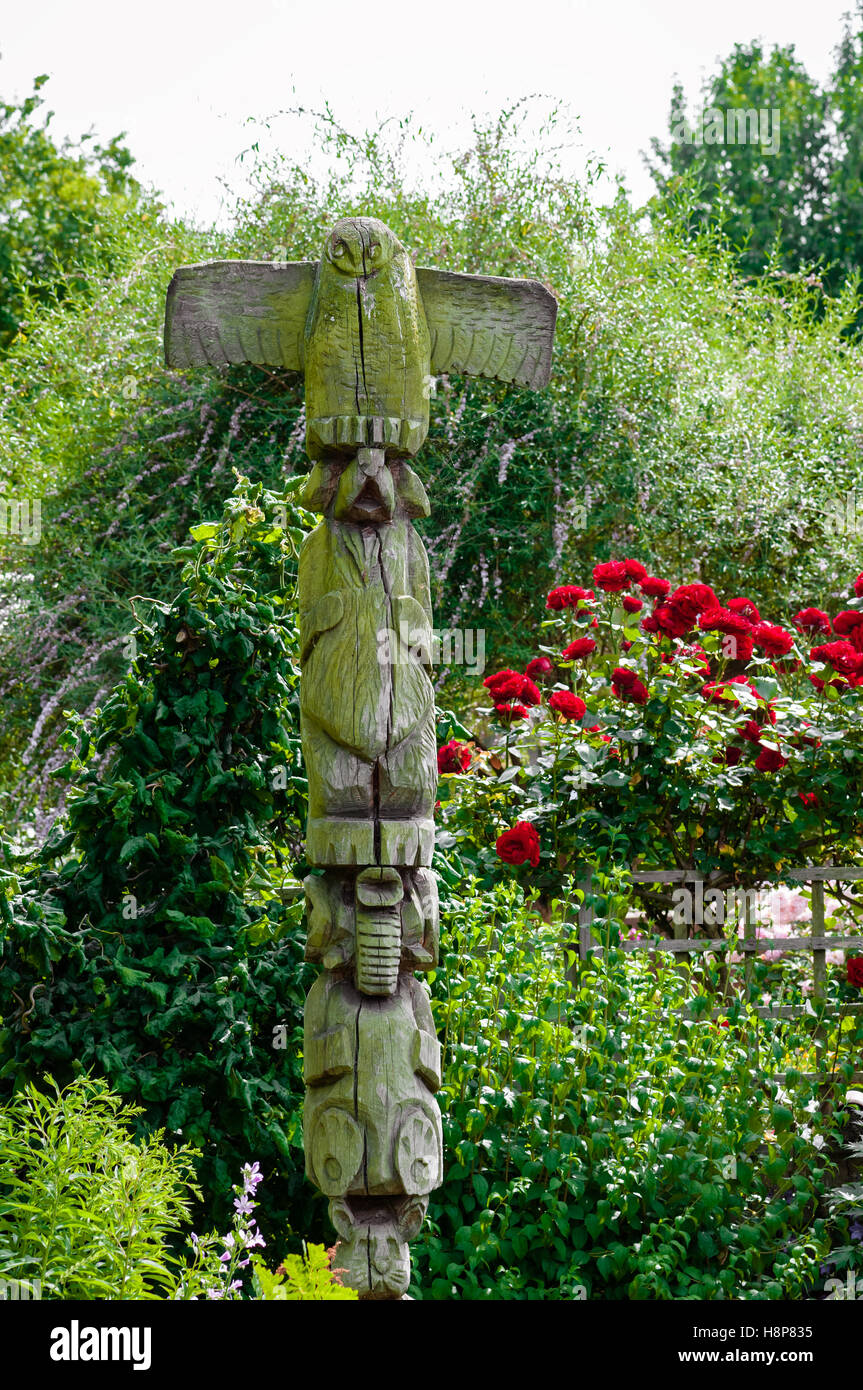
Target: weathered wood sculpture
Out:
[369,331]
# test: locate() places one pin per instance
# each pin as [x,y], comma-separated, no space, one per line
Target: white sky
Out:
[182,79]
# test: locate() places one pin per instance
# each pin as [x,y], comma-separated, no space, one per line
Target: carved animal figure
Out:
[368,330]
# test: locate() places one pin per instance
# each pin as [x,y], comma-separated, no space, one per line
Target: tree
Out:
[57,204]
[759,158]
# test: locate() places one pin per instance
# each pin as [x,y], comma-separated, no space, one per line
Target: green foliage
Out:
[765,184]
[63,210]
[160,940]
[789,195]
[603,1143]
[86,1211]
[309,1277]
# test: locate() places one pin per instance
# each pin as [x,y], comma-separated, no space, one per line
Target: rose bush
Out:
[695,732]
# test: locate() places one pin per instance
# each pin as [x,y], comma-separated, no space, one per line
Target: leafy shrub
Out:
[603,1143]
[310,1277]
[160,939]
[66,209]
[86,1211]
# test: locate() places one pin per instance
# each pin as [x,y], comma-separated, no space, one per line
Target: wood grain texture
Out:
[373,1245]
[372,1129]
[366,701]
[489,326]
[332,902]
[367,329]
[238,311]
[367,345]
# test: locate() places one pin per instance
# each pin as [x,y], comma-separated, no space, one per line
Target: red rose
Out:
[563,702]
[731,756]
[840,655]
[770,760]
[745,607]
[635,570]
[568,596]
[858,586]
[529,692]
[649,624]
[808,798]
[723,620]
[538,668]
[670,620]
[519,845]
[812,621]
[627,686]
[738,648]
[722,692]
[632,604]
[844,623]
[773,640]
[690,600]
[611,576]
[582,646]
[504,683]
[854,971]
[509,713]
[512,685]
[751,731]
[453,757]
[653,587]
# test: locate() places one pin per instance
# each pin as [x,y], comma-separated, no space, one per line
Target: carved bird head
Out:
[360,246]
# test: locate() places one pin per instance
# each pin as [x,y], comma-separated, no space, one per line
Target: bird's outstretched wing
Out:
[238,311]
[489,326]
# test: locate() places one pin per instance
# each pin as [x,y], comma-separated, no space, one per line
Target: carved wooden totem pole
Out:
[369,331]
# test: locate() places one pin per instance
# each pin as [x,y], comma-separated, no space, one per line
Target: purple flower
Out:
[252,1175]
[243,1205]
[855,1230]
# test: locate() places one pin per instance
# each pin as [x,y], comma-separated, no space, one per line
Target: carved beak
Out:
[366,492]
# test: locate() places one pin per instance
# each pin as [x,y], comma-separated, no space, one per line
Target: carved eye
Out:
[373,250]
[339,248]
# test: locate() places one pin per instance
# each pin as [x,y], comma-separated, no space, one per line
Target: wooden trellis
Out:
[750,945]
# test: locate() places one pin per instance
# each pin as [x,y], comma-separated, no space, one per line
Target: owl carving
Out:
[368,329]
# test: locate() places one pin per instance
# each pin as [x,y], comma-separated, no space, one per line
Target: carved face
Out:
[378,1250]
[373,1250]
[360,246]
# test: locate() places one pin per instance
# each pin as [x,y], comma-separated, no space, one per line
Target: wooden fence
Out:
[750,945]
